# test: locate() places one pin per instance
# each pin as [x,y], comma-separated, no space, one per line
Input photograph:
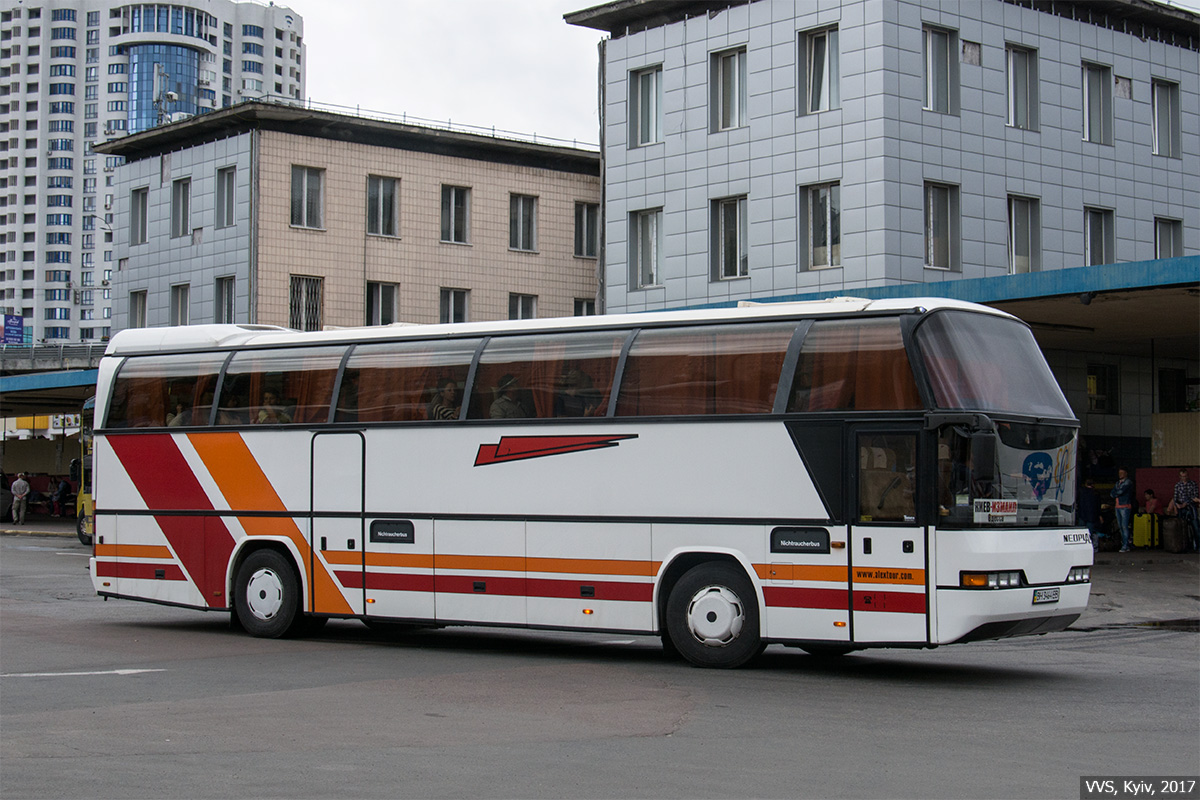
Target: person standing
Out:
[20,491]
[1186,503]
[1122,493]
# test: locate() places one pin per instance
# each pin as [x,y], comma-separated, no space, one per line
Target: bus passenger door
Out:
[336,522]
[888,549]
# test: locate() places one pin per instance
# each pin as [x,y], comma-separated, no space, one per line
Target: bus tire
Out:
[267,595]
[85,538]
[712,616]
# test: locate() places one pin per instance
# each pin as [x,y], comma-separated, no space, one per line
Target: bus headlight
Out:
[990,580]
[1079,575]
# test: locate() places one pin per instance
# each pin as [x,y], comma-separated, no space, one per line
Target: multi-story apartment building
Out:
[270,214]
[74,73]
[1005,151]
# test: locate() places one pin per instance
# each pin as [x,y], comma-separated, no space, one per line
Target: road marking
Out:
[77,674]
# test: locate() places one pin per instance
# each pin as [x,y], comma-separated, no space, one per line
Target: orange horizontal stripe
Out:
[584,566]
[900,575]
[133,551]
[568,566]
[801,572]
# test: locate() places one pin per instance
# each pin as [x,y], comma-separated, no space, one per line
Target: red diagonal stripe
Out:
[166,483]
[516,448]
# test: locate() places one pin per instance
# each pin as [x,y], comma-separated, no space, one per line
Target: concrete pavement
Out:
[1143,587]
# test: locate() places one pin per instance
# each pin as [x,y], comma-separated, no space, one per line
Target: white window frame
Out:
[522,306]
[645,248]
[1024,238]
[937,65]
[382,302]
[522,222]
[645,106]
[225,300]
[226,196]
[823,248]
[1168,238]
[939,205]
[728,93]
[585,307]
[587,230]
[1165,120]
[383,220]
[456,214]
[455,305]
[1021,75]
[1097,103]
[308,197]
[1097,236]
[139,215]
[821,81]
[181,208]
[181,299]
[731,238]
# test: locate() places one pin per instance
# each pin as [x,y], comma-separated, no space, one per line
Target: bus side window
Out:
[711,369]
[854,365]
[886,467]
[152,392]
[397,381]
[279,387]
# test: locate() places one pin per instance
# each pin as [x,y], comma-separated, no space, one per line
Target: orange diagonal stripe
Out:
[246,488]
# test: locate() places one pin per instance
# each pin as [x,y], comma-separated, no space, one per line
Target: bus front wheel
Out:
[712,616]
[267,595]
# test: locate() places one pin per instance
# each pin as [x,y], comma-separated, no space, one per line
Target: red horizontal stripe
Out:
[534,587]
[604,590]
[798,597]
[893,602]
[389,581]
[465,584]
[121,569]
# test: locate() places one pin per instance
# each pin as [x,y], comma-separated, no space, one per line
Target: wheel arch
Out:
[677,564]
[286,548]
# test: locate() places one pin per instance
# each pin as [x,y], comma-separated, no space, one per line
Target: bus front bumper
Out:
[968,615]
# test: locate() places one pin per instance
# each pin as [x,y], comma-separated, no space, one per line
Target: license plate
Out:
[1045,595]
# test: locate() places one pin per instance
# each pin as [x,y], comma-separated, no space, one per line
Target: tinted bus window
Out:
[980,361]
[159,391]
[405,381]
[712,369]
[564,375]
[279,387]
[854,365]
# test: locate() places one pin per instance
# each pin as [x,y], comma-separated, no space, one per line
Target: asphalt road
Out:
[129,700]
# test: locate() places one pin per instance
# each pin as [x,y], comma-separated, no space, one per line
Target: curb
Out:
[32,532]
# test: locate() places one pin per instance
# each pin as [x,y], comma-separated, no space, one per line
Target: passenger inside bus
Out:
[508,404]
[445,403]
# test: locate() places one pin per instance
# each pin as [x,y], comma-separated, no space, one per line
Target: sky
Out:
[514,65]
[510,64]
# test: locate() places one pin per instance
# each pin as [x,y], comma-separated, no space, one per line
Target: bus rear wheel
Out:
[267,595]
[712,616]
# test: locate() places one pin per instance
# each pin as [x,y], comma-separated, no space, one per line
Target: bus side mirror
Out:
[76,469]
[983,457]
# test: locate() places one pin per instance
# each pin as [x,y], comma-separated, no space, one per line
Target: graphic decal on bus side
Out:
[519,448]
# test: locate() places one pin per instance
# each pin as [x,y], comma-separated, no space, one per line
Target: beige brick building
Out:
[270,214]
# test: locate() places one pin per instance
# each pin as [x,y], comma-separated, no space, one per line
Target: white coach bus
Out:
[833,476]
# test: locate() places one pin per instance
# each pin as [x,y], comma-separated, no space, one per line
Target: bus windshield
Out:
[981,362]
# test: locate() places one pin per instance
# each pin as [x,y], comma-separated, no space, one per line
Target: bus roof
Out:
[220,337]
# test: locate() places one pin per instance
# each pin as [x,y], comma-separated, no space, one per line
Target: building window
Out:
[728,99]
[454,305]
[1097,236]
[645,103]
[1168,238]
[455,214]
[138,215]
[820,79]
[381,205]
[305,303]
[180,297]
[181,212]
[645,240]
[522,222]
[940,228]
[587,230]
[226,183]
[1165,99]
[730,238]
[821,211]
[307,200]
[252,30]
[1103,388]
[1097,103]
[584,307]
[939,48]
[1022,75]
[522,306]
[1024,235]
[224,299]
[381,303]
